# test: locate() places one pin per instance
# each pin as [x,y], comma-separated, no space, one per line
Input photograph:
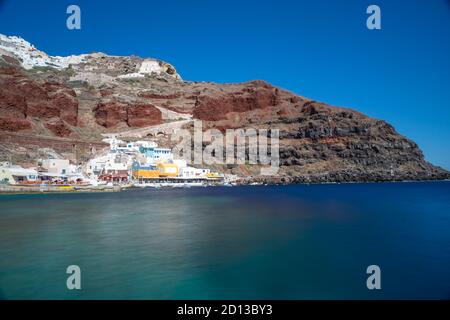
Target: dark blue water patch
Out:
[250,242]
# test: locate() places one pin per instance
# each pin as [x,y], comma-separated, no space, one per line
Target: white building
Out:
[121,146]
[149,66]
[162,154]
[108,162]
[16,174]
[57,166]
[155,155]
[202,172]
[190,172]
[187,172]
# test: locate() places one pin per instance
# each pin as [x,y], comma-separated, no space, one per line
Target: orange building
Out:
[168,170]
[145,174]
[150,172]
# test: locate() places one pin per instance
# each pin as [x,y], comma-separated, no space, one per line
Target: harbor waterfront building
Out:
[145,172]
[56,166]
[167,169]
[12,174]
[154,154]
[138,163]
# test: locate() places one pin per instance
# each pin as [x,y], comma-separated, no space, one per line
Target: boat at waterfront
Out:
[169,184]
[172,182]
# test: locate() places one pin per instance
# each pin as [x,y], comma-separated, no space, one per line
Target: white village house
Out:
[57,166]
[15,174]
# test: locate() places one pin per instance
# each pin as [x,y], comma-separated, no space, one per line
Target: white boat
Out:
[168,184]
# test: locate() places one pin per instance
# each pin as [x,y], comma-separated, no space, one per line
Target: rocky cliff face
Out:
[111,112]
[27,103]
[66,104]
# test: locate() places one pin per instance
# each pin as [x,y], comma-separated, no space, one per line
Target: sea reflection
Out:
[279,242]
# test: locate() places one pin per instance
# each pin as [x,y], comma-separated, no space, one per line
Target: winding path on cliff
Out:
[167,128]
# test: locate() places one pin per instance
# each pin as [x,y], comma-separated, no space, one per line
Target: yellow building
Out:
[167,169]
[145,174]
[213,175]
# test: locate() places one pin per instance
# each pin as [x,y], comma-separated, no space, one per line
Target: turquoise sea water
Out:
[274,242]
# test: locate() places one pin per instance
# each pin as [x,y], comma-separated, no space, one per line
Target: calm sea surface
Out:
[277,242]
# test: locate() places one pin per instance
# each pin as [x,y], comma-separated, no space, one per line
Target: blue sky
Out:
[319,49]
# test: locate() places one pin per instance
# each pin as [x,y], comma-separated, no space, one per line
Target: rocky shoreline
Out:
[349,177]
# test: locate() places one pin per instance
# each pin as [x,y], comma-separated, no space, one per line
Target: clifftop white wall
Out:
[31,57]
[149,66]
